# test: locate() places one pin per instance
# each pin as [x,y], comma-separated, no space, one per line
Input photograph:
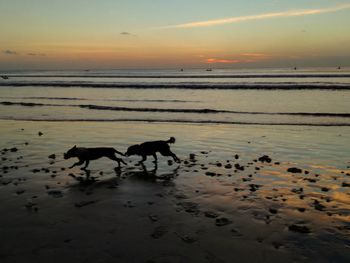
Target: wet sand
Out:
[249,202]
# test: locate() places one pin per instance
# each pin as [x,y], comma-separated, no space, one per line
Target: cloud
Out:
[36,54]
[124,33]
[225,61]
[290,13]
[9,52]
[240,58]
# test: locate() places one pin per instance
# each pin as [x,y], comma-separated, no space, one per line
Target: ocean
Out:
[315,97]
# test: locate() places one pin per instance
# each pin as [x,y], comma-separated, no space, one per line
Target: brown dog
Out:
[151,148]
[88,154]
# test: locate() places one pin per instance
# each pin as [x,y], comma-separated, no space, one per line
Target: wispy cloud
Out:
[224,61]
[240,58]
[9,52]
[36,54]
[124,33]
[290,13]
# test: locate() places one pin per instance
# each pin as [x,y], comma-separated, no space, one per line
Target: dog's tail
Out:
[171,140]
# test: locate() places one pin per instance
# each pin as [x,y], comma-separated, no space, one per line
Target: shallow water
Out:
[269,97]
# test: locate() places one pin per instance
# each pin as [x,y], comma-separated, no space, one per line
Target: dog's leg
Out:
[114,158]
[78,163]
[170,153]
[155,158]
[118,152]
[86,164]
[144,158]
[176,159]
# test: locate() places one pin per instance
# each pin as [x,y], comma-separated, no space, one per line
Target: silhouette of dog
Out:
[88,154]
[151,148]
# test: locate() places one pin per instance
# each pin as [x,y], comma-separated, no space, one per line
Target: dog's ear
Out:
[73,148]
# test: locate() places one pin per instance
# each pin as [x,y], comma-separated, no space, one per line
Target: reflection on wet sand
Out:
[212,201]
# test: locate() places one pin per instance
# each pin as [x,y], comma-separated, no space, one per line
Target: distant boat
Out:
[182,69]
[209,69]
[339,67]
[295,68]
[4,77]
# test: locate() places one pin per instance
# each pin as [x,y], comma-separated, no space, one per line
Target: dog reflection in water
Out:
[85,155]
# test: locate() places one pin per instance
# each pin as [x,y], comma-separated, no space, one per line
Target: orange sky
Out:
[136,34]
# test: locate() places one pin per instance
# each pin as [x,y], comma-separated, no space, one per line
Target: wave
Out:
[180,76]
[223,86]
[183,121]
[126,100]
[173,110]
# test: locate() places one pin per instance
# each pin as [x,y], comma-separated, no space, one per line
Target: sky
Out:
[116,34]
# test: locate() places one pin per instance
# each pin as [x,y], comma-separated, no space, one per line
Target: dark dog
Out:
[151,148]
[88,154]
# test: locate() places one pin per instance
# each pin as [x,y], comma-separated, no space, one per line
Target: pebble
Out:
[235,233]
[324,189]
[228,166]
[84,203]
[299,229]
[318,206]
[294,170]
[297,191]
[210,173]
[159,231]
[254,187]
[210,214]
[153,218]
[265,158]
[187,239]
[223,221]
[273,211]
[310,180]
[20,191]
[55,193]
[239,167]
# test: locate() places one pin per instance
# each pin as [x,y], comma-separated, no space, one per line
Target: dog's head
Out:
[133,150]
[71,153]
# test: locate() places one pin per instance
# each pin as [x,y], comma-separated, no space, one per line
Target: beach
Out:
[263,177]
[221,204]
